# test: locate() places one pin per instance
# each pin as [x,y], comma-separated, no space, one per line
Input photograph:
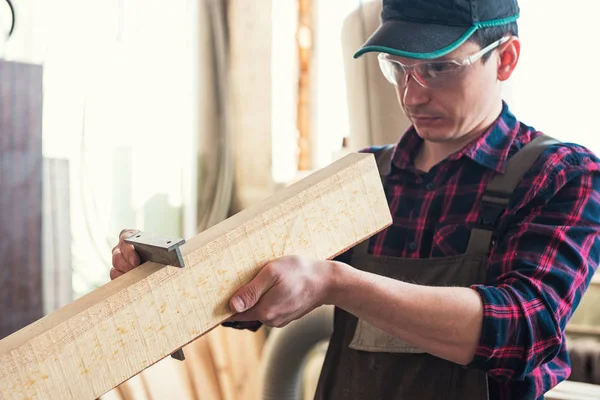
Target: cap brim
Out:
[415,40]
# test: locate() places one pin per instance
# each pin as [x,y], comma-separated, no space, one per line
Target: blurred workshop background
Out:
[171,116]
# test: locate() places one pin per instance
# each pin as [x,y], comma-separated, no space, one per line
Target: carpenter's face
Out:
[457,99]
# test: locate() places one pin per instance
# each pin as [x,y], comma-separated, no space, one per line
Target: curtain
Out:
[165,122]
[121,83]
[215,160]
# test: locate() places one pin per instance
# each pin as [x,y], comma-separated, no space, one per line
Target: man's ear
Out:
[509,57]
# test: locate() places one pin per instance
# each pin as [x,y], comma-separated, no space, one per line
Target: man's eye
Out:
[398,70]
[434,69]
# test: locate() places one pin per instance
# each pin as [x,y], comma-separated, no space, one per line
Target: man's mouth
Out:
[424,119]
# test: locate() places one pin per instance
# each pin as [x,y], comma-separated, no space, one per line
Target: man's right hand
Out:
[124,257]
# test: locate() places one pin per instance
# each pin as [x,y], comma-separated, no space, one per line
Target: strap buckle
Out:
[490,214]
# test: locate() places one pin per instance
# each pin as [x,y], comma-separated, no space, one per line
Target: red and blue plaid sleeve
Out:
[543,262]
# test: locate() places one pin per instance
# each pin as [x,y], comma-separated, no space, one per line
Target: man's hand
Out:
[124,257]
[284,290]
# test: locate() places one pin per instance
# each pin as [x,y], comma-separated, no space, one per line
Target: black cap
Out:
[427,29]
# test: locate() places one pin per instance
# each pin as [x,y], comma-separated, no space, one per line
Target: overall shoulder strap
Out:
[499,191]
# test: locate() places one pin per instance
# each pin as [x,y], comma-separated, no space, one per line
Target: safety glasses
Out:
[430,74]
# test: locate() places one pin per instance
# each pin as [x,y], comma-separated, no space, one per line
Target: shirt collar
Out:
[490,150]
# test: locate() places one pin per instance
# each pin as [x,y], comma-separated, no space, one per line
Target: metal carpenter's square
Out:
[162,250]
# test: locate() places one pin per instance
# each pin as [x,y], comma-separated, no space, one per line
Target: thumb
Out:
[248,295]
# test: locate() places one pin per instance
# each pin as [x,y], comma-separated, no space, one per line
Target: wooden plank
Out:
[204,377]
[304,45]
[245,349]
[583,330]
[134,389]
[56,242]
[167,379]
[219,351]
[250,104]
[569,390]
[114,394]
[236,357]
[20,195]
[372,101]
[102,339]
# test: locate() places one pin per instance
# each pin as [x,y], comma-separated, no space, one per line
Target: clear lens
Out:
[437,70]
[393,72]
[433,75]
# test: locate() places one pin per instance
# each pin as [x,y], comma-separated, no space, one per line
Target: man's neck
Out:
[431,153]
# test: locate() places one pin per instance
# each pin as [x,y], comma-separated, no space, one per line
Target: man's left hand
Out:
[283,291]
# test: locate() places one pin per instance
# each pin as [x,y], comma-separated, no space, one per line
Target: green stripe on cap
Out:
[441,52]
[422,56]
[497,22]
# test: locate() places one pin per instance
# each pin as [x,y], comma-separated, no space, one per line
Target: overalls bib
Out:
[366,363]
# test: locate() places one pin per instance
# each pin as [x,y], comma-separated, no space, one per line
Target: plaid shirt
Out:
[546,251]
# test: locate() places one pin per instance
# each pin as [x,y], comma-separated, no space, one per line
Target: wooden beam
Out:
[305,55]
[221,357]
[584,330]
[245,349]
[136,388]
[251,102]
[167,379]
[104,338]
[202,369]
[569,390]
[57,267]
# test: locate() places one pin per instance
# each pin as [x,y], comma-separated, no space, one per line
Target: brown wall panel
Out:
[20,195]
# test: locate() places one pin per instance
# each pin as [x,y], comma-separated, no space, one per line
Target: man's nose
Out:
[413,93]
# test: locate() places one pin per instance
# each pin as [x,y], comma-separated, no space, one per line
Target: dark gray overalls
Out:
[366,363]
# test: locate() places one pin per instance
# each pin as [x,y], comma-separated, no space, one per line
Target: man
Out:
[495,235]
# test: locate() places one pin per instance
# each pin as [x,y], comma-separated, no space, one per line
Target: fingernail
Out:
[238,304]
